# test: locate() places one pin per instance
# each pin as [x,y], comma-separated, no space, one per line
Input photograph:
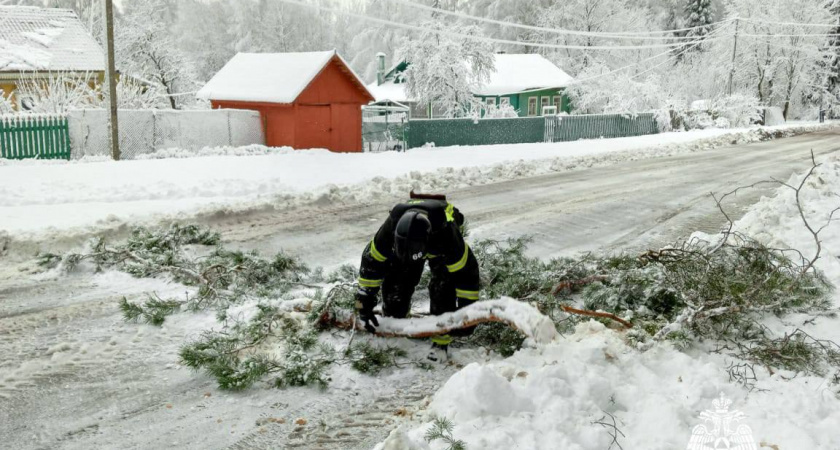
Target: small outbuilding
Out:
[306,100]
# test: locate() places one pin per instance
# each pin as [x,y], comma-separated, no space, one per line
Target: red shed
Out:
[306,100]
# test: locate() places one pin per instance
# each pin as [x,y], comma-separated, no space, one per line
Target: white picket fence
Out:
[146,131]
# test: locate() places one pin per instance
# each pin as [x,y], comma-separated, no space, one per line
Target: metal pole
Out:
[112,81]
[734,52]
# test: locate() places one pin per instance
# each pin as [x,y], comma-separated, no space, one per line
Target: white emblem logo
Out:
[417,256]
[725,434]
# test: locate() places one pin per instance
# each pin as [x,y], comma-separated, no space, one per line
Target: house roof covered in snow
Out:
[268,77]
[37,39]
[514,73]
[523,72]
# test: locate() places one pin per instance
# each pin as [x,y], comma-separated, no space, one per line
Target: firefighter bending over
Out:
[420,230]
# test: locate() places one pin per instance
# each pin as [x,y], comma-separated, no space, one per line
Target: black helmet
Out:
[411,235]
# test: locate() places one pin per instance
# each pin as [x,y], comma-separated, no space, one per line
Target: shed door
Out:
[347,128]
[314,127]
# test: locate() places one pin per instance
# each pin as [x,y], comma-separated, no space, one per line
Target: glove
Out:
[365,301]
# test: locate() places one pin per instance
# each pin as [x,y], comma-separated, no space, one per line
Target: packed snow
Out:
[565,394]
[44,197]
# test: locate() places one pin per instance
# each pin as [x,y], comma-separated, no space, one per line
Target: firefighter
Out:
[420,230]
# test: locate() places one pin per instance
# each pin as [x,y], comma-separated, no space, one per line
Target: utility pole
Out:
[112,80]
[734,52]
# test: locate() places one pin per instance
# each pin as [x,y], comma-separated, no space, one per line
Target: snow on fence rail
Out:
[34,136]
[526,130]
[146,131]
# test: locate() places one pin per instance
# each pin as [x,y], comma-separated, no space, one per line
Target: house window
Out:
[490,101]
[543,103]
[504,101]
[532,106]
[558,102]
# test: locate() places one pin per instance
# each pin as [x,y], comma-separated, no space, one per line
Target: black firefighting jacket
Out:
[446,246]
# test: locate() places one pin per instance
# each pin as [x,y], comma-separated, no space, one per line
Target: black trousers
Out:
[399,285]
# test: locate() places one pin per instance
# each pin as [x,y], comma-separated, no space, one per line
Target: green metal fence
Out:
[40,137]
[446,132]
[572,128]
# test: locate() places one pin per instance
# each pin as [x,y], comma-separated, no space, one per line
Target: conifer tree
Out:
[698,17]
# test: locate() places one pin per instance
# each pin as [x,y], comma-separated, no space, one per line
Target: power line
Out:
[640,35]
[805,35]
[669,52]
[490,39]
[796,24]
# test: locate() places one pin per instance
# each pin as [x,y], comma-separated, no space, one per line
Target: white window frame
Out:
[544,102]
[532,106]
[490,101]
[504,101]
[557,101]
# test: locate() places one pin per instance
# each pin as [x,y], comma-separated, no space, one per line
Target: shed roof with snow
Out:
[39,39]
[270,77]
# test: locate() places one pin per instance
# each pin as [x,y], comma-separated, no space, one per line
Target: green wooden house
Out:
[530,83]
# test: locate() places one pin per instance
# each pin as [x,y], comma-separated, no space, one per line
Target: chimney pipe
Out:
[380,68]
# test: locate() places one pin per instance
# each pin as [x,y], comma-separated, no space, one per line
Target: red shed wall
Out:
[327,114]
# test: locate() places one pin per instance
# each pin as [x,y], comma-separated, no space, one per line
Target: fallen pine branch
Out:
[603,315]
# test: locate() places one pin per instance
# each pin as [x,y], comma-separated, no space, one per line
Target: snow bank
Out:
[42,198]
[775,220]
[248,150]
[553,396]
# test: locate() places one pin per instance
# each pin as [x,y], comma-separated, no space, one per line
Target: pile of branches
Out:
[689,293]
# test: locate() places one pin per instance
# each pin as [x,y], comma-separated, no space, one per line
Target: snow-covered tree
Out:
[6,106]
[621,92]
[147,49]
[831,66]
[592,16]
[776,63]
[444,70]
[59,92]
[698,15]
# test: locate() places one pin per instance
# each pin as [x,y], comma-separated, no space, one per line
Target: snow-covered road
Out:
[73,375]
[631,205]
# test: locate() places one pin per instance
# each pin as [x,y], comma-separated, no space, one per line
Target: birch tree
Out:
[146,49]
[444,71]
